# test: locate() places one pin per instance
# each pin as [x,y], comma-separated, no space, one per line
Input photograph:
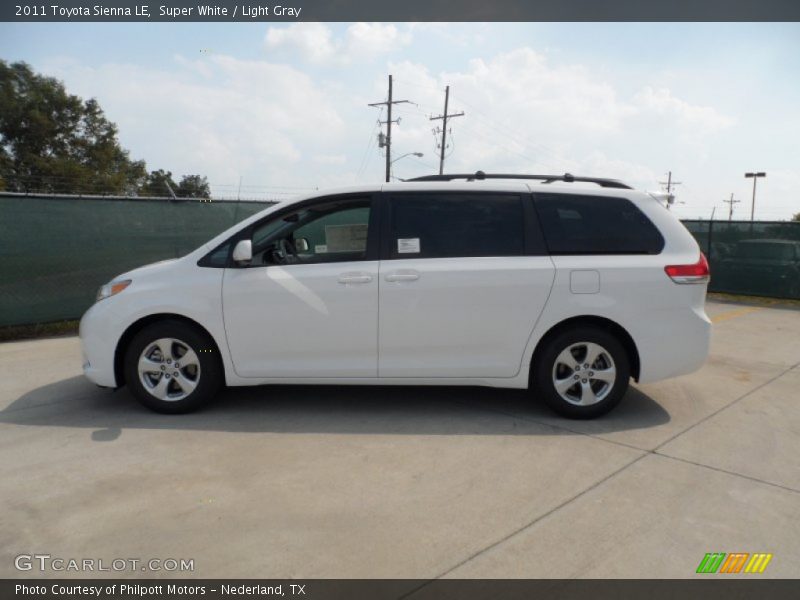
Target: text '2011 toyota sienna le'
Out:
[565,287]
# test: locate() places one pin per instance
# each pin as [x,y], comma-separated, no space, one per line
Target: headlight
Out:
[111,289]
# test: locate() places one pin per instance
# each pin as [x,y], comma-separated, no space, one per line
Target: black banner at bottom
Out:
[396,589]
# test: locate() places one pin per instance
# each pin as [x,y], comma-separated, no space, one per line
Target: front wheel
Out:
[582,373]
[172,367]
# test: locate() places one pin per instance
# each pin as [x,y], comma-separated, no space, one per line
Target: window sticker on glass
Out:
[320,249]
[346,238]
[408,246]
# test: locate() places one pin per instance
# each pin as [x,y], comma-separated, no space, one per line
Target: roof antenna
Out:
[569,177]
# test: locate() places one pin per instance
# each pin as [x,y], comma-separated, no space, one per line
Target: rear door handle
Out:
[403,275]
[356,277]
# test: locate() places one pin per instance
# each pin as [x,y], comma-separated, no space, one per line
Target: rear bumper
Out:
[678,343]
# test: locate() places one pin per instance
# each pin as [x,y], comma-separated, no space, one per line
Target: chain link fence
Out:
[56,251]
[760,258]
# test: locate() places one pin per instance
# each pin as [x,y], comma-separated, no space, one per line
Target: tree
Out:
[52,141]
[193,186]
[796,217]
[158,183]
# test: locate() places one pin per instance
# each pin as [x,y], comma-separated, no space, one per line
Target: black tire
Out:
[192,387]
[549,366]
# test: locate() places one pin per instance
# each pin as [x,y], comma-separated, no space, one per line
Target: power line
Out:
[443,117]
[495,128]
[670,184]
[515,136]
[388,140]
[492,139]
[730,204]
[492,128]
[363,164]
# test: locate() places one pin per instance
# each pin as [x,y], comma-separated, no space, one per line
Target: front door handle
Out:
[356,277]
[403,275]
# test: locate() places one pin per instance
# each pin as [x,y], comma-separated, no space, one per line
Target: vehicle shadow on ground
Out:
[291,409]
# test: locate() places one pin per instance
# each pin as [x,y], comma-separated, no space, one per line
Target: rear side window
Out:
[435,225]
[577,224]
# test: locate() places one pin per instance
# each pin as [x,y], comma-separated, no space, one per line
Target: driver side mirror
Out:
[301,245]
[243,252]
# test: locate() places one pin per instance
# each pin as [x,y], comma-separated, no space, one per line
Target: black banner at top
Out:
[398,10]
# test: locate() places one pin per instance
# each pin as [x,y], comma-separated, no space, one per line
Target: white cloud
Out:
[276,124]
[315,42]
[661,102]
[527,114]
[369,39]
[464,35]
[330,159]
[221,116]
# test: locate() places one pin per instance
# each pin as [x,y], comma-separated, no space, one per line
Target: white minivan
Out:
[567,285]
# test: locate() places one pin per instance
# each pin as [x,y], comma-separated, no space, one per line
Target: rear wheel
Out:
[582,372]
[172,367]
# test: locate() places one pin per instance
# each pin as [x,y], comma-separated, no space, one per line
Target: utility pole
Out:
[755,177]
[444,118]
[670,184]
[388,123]
[730,204]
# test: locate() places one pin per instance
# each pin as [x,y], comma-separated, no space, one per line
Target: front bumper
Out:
[99,336]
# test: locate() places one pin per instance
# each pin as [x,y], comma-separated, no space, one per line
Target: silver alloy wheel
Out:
[584,373]
[169,369]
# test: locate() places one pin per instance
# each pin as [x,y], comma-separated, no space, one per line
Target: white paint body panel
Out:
[473,321]
[463,317]
[300,321]
[153,291]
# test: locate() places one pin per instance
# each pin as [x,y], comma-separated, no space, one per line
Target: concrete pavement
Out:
[322,482]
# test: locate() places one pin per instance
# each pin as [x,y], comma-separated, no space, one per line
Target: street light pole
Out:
[755,177]
[418,154]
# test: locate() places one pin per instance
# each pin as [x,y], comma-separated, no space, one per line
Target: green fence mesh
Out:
[760,258]
[56,252]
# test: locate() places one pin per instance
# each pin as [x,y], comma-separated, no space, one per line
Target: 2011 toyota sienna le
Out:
[510,281]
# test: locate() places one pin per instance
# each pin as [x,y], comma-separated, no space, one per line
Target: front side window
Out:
[438,225]
[329,232]
[217,258]
[578,224]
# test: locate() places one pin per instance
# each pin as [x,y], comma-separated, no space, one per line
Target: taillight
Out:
[694,273]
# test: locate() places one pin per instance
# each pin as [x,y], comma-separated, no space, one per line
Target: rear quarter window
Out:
[585,224]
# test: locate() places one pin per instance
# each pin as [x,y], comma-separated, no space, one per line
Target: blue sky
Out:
[284,106]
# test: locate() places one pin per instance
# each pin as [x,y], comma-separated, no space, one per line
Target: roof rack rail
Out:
[567,177]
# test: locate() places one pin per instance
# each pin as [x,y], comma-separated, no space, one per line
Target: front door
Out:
[307,304]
